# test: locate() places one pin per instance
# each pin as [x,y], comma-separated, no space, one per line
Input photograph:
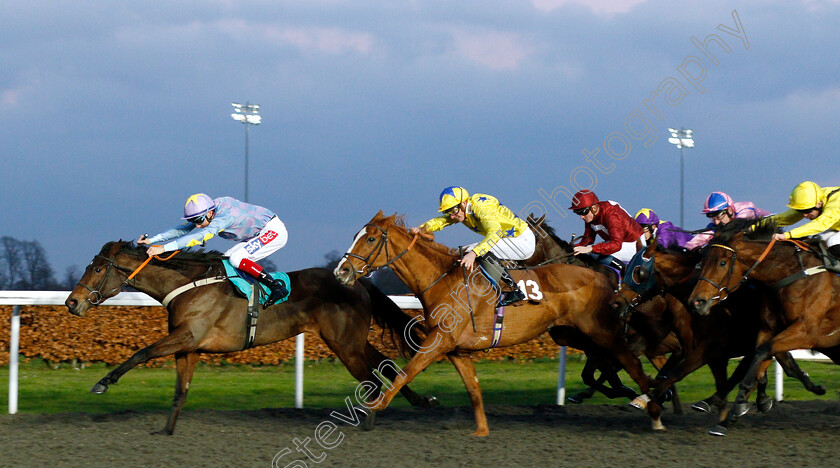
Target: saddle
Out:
[247,285]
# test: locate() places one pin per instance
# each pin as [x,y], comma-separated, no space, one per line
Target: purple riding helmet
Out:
[647,216]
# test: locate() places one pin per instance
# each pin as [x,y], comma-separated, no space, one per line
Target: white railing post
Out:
[299,371]
[14,346]
[780,381]
[561,378]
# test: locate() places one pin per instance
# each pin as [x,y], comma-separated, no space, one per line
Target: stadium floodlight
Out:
[248,114]
[682,138]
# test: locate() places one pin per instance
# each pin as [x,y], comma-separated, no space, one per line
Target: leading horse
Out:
[657,289]
[212,318]
[809,297]
[459,308]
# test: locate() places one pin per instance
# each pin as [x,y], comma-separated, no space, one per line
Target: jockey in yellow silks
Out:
[819,205]
[506,236]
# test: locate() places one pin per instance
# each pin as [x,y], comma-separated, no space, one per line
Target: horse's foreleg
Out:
[180,339]
[390,373]
[436,344]
[466,370]
[185,366]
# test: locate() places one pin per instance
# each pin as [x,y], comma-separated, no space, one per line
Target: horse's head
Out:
[550,248]
[370,249]
[103,278]
[722,269]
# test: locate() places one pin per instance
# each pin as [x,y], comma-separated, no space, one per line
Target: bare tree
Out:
[24,265]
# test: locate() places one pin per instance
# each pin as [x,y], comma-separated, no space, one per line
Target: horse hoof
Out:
[818,390]
[576,399]
[162,432]
[431,402]
[99,388]
[765,404]
[640,402]
[701,407]
[657,425]
[370,419]
[719,431]
[740,409]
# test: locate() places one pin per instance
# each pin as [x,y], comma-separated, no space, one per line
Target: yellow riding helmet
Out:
[452,196]
[805,195]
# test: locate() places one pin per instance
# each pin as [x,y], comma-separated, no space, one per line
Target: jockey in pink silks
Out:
[721,210]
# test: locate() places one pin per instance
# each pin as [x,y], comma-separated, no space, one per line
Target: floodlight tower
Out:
[248,114]
[682,138]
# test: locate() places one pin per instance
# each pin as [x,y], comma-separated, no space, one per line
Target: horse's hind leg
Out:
[793,370]
[185,365]
[179,339]
[466,370]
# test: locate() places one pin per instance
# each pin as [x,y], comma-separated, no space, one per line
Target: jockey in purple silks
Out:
[665,233]
[258,231]
[721,210]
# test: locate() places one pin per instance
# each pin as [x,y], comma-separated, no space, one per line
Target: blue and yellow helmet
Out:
[452,196]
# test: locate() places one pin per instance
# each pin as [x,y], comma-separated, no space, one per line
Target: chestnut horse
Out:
[808,296]
[212,318]
[459,306]
[657,288]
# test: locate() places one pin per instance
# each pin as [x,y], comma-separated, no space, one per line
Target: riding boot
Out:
[514,295]
[618,265]
[497,273]
[276,286]
[833,264]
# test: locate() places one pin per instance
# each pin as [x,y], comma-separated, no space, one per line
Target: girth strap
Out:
[798,276]
[178,291]
[253,315]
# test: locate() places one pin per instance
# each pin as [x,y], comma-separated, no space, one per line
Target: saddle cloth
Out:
[528,283]
[244,283]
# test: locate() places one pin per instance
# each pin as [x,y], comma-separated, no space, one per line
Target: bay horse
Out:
[212,318]
[808,296]
[657,288]
[550,248]
[459,308]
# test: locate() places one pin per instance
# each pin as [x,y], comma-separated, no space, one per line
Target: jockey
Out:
[621,233]
[506,236]
[821,206]
[665,233]
[258,230]
[722,210]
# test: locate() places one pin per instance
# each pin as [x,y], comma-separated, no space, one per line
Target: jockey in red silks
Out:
[722,210]
[258,231]
[622,235]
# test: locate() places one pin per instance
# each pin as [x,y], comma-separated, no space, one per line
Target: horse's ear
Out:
[379,215]
[540,220]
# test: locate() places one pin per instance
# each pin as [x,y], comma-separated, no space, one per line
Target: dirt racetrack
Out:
[793,434]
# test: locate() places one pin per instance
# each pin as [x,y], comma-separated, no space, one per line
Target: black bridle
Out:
[96,296]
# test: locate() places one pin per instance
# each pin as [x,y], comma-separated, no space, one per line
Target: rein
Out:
[800,246]
[96,296]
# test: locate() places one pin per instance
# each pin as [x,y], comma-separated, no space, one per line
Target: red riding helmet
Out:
[583,199]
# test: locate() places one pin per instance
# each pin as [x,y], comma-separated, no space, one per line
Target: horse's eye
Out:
[371,239]
[723,263]
[97,269]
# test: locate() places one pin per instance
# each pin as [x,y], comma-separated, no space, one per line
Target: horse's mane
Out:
[185,258]
[399,221]
[690,256]
[761,229]
[587,260]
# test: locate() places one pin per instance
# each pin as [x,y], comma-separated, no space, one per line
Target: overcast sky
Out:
[114,112]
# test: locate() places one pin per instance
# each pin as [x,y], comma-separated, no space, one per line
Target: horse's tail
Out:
[400,326]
